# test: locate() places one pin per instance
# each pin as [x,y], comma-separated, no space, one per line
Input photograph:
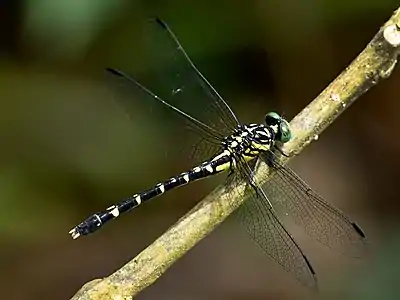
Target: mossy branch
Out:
[375,62]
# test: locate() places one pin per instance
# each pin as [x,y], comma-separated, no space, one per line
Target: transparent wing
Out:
[321,220]
[206,137]
[188,84]
[176,80]
[173,81]
[264,227]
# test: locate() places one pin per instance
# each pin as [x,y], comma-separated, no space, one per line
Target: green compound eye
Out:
[272,118]
[284,134]
[285,131]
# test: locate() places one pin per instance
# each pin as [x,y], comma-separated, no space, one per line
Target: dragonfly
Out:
[238,149]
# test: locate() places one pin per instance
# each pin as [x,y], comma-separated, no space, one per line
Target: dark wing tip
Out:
[314,283]
[161,23]
[115,72]
[309,265]
[358,230]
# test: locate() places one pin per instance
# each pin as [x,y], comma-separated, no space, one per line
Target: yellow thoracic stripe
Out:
[249,155]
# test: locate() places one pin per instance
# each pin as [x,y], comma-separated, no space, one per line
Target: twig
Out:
[375,62]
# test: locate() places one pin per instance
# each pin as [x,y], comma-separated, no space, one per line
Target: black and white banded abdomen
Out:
[218,164]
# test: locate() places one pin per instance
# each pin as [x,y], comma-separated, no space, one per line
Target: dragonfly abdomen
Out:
[218,164]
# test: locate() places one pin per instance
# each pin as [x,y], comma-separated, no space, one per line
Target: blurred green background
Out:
[69,148]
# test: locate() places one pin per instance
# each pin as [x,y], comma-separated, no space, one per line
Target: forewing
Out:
[174,83]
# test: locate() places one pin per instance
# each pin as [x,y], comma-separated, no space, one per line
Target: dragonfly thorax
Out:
[250,140]
[253,139]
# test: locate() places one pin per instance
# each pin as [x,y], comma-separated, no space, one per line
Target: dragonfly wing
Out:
[191,78]
[176,81]
[321,220]
[173,82]
[265,229]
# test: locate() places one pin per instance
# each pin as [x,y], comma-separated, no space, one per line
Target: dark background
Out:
[68,148]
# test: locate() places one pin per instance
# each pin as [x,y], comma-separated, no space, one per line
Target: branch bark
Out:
[374,63]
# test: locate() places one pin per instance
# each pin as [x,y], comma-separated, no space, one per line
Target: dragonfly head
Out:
[281,127]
